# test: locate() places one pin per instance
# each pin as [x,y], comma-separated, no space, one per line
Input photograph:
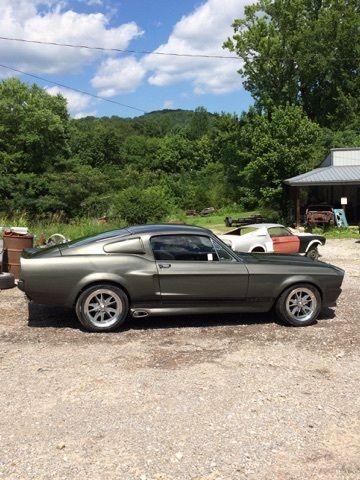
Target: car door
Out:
[283,240]
[197,268]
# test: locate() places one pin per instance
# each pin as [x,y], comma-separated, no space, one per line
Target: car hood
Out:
[284,259]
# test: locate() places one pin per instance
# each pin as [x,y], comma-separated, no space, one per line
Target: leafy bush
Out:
[137,206]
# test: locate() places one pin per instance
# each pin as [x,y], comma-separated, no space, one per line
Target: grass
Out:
[76,228]
[335,232]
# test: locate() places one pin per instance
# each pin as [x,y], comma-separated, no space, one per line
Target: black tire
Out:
[313,253]
[102,308]
[257,250]
[290,312]
[6,281]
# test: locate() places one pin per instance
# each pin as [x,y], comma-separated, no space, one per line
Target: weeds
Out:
[81,227]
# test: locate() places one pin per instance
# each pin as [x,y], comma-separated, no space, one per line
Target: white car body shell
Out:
[258,239]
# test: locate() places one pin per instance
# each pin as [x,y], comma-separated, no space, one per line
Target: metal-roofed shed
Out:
[337,177]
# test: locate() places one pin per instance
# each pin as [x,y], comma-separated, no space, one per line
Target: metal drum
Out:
[14,244]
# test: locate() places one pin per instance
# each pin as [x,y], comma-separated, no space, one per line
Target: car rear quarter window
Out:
[245,230]
[183,248]
[128,246]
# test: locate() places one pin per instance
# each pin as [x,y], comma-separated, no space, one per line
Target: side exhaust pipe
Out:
[139,313]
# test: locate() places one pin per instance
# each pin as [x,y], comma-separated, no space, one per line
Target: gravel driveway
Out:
[216,397]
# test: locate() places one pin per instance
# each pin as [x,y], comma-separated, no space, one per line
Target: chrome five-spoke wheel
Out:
[102,308]
[299,305]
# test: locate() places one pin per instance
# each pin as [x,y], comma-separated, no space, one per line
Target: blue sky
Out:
[148,82]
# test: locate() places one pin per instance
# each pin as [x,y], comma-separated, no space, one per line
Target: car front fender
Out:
[295,280]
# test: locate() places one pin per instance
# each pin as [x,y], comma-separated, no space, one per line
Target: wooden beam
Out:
[297,206]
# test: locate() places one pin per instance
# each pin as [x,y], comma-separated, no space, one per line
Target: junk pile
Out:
[15,239]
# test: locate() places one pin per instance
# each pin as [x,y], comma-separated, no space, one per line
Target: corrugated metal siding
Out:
[349,157]
[327,176]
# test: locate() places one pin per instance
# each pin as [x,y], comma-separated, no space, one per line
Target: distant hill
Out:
[157,123]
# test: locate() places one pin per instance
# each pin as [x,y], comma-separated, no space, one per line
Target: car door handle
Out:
[164,265]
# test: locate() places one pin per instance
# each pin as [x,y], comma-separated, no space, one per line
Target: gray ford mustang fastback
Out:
[173,269]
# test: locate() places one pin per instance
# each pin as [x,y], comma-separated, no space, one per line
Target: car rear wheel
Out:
[6,280]
[257,250]
[299,305]
[313,253]
[102,308]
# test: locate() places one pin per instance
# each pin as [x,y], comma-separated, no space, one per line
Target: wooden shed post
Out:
[297,206]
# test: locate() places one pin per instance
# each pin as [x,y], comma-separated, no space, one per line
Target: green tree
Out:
[178,154]
[302,52]
[271,150]
[225,148]
[137,206]
[34,128]
[199,124]
[140,151]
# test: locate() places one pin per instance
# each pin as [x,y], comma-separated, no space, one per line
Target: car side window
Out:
[279,232]
[196,248]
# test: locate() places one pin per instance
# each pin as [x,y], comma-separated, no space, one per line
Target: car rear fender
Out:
[94,279]
[313,243]
[259,246]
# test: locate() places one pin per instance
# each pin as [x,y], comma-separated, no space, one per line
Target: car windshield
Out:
[79,242]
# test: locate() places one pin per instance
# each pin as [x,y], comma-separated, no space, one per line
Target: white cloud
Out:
[85,114]
[50,21]
[202,32]
[168,104]
[118,76]
[77,102]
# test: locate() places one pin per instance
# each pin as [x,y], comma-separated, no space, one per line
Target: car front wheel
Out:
[102,308]
[299,305]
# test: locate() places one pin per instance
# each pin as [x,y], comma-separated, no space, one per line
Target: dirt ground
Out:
[216,397]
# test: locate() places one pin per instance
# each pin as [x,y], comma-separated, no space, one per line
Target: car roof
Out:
[133,230]
[318,206]
[262,225]
[166,228]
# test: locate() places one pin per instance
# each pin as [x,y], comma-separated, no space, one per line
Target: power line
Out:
[72,88]
[141,52]
[119,50]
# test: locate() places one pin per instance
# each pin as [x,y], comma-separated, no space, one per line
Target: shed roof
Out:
[331,175]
